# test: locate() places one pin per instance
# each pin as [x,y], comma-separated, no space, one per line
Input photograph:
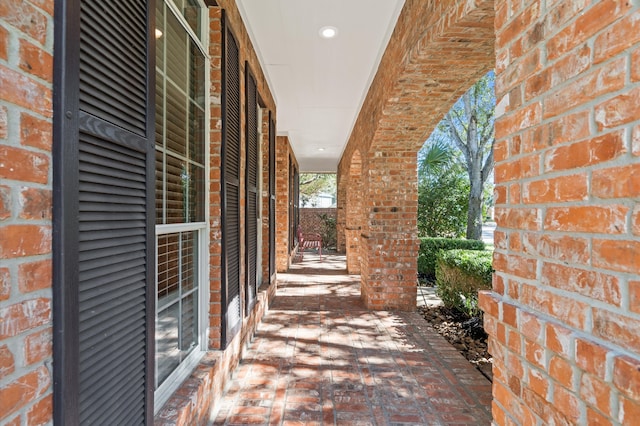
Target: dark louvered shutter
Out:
[296,201]
[272,196]
[293,204]
[104,246]
[251,176]
[231,186]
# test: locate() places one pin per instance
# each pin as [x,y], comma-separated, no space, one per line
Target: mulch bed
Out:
[464,333]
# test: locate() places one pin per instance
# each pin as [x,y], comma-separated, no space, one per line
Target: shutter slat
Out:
[104,357]
[96,259]
[104,285]
[111,242]
[96,319]
[102,409]
[120,39]
[95,338]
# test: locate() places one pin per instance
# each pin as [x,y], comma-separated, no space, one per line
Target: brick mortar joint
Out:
[613,351]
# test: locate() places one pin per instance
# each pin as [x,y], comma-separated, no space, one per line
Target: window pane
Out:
[168,269]
[159,188]
[176,120]
[191,12]
[185,186]
[176,42]
[196,80]
[160,37]
[177,320]
[188,261]
[189,337]
[196,133]
[196,203]
[176,190]
[167,350]
[159,111]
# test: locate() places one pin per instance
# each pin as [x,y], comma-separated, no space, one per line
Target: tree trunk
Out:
[474,216]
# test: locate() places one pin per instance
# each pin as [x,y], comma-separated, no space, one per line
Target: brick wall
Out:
[26,45]
[265,198]
[215,179]
[565,312]
[310,220]
[215,149]
[412,90]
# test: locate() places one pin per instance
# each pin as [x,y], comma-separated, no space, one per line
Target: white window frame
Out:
[185,368]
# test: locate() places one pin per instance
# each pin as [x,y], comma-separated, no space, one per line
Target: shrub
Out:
[430,247]
[459,276]
[328,231]
[443,199]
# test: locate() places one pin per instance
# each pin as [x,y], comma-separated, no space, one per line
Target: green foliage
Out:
[459,276]
[313,184]
[328,231]
[434,157]
[443,205]
[474,263]
[443,192]
[430,247]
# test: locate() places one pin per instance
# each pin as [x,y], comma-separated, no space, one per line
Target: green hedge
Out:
[430,247]
[459,276]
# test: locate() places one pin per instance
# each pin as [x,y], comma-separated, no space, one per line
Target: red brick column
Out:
[565,312]
[26,75]
[341,215]
[389,246]
[355,216]
[282,203]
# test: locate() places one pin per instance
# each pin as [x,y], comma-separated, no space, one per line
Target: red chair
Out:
[307,240]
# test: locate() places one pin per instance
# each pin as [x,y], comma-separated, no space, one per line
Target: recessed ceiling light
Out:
[328,32]
[320,149]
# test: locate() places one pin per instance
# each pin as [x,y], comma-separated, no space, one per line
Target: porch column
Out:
[355,213]
[389,246]
[341,212]
[282,203]
[353,238]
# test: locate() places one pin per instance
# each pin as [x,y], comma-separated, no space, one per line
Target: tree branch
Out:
[456,138]
[488,163]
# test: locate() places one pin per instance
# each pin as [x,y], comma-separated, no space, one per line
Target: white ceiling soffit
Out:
[319,84]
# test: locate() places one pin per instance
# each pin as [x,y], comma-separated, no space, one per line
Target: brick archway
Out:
[437,50]
[564,309]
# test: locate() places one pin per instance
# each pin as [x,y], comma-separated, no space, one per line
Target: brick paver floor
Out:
[320,357]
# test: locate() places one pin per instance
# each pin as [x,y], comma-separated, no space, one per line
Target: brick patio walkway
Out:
[321,358]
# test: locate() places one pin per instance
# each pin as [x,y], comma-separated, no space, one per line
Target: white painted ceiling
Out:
[319,84]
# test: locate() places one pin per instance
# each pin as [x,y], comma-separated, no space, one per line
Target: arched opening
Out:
[565,289]
[414,87]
